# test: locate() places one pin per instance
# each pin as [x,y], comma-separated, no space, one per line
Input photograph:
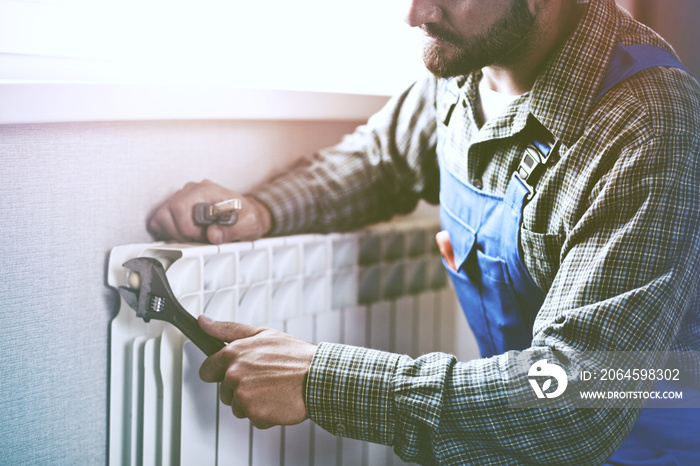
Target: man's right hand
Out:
[174,220]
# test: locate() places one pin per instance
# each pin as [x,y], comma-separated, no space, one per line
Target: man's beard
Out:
[505,39]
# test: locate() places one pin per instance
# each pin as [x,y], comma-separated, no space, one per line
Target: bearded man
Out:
[561,139]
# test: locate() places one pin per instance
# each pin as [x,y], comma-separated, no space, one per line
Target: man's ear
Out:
[538,5]
[534,5]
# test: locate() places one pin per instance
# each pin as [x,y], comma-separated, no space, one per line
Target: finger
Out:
[445,247]
[182,215]
[228,331]
[214,368]
[162,225]
[237,409]
[218,234]
[249,227]
[215,234]
[262,425]
[227,391]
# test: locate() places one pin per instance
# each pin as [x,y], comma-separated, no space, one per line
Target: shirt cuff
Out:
[349,392]
[290,205]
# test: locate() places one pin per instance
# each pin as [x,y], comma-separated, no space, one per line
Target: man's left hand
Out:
[262,372]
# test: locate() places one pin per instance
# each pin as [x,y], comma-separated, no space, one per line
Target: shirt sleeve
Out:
[381,169]
[627,281]
[436,410]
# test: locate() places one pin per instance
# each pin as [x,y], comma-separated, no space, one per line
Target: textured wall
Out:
[677,21]
[68,194]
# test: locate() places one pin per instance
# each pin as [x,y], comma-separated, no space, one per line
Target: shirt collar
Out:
[563,94]
[509,123]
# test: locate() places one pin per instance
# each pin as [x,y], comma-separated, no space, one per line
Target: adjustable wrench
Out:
[151,297]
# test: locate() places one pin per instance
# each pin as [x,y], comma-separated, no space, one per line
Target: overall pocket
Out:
[543,256]
[485,292]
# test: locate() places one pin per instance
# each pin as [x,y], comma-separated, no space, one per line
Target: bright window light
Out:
[362,46]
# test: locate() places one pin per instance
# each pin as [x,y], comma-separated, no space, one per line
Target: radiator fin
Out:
[383,287]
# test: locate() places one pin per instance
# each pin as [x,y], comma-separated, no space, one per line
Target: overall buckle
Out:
[537,158]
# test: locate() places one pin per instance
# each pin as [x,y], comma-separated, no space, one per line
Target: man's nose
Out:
[422,12]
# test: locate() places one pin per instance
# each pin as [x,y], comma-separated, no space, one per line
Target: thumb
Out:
[227,331]
[218,234]
[215,235]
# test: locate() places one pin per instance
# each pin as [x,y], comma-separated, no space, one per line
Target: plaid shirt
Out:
[612,237]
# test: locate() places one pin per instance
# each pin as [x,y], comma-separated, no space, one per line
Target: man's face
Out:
[466,35]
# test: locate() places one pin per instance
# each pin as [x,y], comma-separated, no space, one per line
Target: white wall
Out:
[174,74]
[69,192]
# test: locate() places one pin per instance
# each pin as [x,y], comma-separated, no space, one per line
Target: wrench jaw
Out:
[154,297]
[130,296]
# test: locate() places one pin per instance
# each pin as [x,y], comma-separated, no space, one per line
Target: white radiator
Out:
[382,288]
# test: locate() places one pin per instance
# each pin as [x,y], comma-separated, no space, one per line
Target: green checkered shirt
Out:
[612,237]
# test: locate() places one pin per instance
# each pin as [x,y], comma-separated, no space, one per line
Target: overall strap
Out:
[541,152]
[625,61]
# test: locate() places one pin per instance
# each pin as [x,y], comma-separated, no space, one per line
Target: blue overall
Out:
[498,296]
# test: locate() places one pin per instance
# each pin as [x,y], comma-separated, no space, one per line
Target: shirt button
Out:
[340,428]
[477,183]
